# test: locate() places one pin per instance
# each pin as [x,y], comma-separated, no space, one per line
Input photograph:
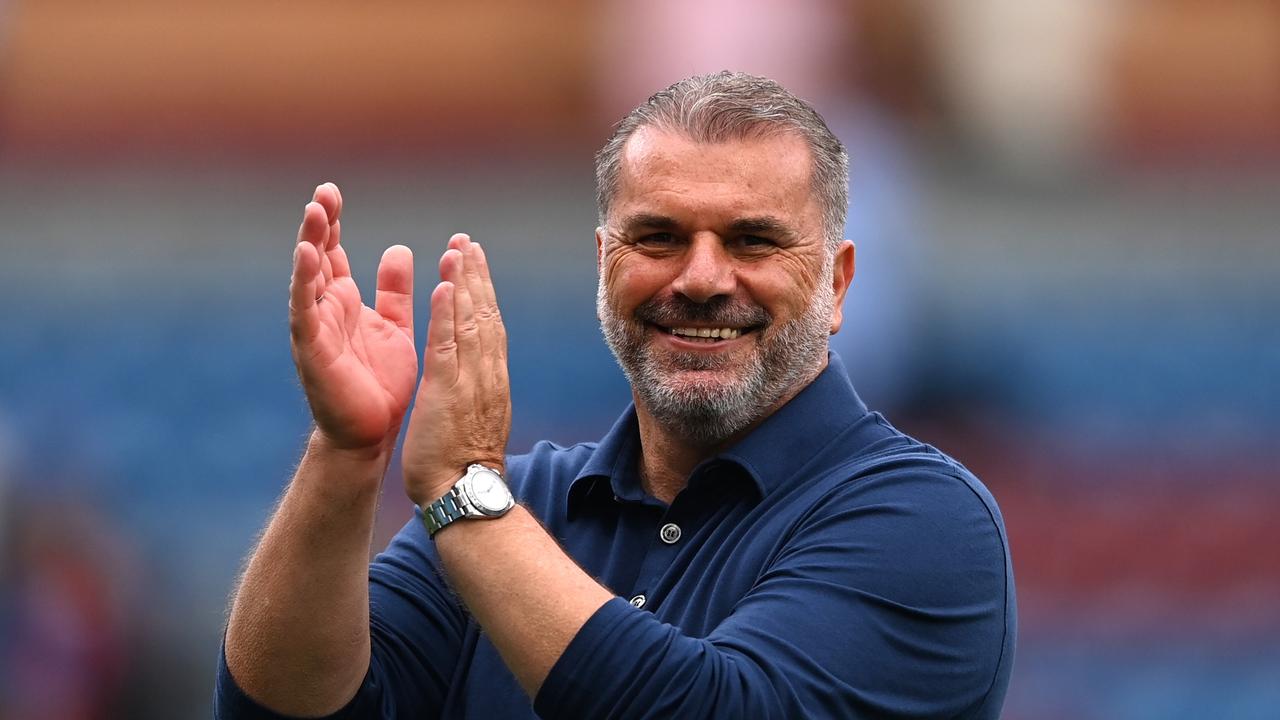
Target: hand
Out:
[462,414]
[357,364]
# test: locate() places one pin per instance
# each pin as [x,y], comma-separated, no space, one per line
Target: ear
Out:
[599,247]
[841,277]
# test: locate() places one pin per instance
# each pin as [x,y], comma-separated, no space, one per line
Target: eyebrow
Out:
[649,220]
[761,225]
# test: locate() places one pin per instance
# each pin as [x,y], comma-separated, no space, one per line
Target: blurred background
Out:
[1068,271]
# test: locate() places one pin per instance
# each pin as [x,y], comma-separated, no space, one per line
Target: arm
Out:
[889,602]
[892,598]
[298,635]
[462,415]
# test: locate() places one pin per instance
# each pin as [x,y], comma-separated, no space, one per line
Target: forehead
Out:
[671,173]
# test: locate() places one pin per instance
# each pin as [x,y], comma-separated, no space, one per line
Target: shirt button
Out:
[670,533]
[638,601]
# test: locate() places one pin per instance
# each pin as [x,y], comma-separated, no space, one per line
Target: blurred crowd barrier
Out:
[1068,270]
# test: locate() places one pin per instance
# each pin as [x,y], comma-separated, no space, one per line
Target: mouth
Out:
[706,335]
[713,326]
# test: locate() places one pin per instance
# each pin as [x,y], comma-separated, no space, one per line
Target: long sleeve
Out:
[891,598]
[417,631]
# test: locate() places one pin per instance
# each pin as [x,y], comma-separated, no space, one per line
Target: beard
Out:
[707,398]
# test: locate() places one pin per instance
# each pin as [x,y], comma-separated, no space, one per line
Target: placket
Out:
[664,539]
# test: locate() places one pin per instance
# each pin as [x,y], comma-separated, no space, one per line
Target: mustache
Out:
[677,310]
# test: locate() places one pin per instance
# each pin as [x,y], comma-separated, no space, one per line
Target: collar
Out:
[612,470]
[799,429]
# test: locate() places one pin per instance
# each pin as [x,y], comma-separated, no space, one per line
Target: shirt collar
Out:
[611,471]
[799,429]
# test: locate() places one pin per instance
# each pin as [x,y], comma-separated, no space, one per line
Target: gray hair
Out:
[729,106]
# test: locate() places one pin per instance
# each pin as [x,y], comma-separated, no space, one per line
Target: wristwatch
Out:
[480,494]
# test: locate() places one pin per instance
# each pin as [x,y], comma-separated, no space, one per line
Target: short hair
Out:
[730,106]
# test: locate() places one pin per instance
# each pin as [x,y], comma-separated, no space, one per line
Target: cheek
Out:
[783,294]
[631,281]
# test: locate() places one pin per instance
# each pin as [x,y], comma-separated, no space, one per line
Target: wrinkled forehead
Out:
[656,143]
[767,167]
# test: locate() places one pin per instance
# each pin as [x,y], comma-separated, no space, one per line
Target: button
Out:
[670,533]
[638,601]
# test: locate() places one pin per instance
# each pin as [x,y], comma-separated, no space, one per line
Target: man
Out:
[747,541]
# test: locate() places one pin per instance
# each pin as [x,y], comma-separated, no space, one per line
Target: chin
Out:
[704,406]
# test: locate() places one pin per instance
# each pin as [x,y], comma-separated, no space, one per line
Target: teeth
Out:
[721,333]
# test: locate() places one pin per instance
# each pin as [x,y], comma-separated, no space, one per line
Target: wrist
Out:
[481,494]
[321,446]
[426,485]
[334,480]
[344,474]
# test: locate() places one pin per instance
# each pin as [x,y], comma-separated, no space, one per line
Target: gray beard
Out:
[709,411]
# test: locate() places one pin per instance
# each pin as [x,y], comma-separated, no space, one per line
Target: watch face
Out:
[488,492]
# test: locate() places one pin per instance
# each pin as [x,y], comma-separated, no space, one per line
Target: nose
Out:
[707,271]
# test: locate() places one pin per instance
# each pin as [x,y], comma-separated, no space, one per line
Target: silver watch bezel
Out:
[468,492]
[460,502]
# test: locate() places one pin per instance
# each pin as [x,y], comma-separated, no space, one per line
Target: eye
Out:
[753,242]
[660,239]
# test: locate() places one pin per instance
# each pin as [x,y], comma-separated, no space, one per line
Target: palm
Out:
[357,363]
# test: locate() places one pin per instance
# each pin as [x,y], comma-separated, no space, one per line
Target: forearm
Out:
[527,594]
[533,601]
[298,636]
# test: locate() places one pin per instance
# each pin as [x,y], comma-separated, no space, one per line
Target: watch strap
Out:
[449,508]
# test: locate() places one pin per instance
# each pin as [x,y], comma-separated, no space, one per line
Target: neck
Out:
[668,457]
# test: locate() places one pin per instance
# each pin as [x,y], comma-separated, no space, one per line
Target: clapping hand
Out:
[462,413]
[357,364]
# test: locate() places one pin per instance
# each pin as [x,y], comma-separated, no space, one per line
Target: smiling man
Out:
[719,283]
[748,540]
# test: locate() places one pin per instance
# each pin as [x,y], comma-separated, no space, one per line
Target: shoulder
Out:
[905,472]
[899,555]
[915,508]
[917,531]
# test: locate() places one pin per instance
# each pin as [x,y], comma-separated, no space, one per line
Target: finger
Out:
[304,316]
[326,267]
[315,225]
[337,257]
[338,193]
[489,299]
[483,311]
[335,232]
[314,231]
[394,300]
[440,359]
[339,266]
[330,198]
[465,330]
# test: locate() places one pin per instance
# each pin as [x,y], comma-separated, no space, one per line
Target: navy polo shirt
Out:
[826,566]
